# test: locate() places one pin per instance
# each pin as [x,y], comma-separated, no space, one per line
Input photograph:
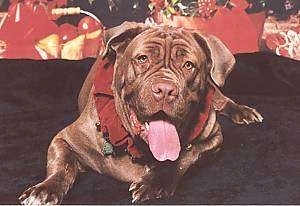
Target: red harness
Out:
[110,122]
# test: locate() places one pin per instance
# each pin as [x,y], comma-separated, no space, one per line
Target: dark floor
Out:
[259,164]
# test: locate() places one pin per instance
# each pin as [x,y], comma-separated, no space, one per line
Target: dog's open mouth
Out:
[160,134]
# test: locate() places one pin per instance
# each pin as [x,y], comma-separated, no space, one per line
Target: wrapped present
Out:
[282,36]
[230,23]
[93,32]
[27,30]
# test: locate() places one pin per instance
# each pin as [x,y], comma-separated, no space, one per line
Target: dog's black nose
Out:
[164,90]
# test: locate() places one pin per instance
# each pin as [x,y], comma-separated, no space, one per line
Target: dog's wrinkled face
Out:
[166,71]
[164,76]
[160,78]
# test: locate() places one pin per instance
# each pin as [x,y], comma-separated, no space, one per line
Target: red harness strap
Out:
[107,114]
[202,116]
[110,121]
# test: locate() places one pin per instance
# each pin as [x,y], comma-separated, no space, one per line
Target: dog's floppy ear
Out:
[118,38]
[116,41]
[221,60]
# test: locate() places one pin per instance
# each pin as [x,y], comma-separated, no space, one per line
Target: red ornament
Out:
[93,31]
[88,24]
[67,32]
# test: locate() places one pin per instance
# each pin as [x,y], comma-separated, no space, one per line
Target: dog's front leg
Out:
[159,182]
[212,144]
[62,168]
[239,114]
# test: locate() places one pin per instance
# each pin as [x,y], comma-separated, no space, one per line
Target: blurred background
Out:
[73,29]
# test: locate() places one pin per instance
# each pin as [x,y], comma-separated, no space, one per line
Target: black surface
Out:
[259,164]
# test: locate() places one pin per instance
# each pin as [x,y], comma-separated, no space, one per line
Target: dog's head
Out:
[161,76]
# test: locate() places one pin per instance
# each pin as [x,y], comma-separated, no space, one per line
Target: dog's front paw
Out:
[152,187]
[41,194]
[242,114]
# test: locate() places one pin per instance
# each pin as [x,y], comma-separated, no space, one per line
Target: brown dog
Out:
[165,94]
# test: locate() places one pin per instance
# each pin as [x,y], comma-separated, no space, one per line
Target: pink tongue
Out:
[163,140]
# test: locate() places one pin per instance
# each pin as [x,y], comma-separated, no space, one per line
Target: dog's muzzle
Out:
[164,91]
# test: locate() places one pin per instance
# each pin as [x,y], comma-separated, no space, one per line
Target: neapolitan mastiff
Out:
[147,113]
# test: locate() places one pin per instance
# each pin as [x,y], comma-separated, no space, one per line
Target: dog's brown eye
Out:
[142,59]
[188,65]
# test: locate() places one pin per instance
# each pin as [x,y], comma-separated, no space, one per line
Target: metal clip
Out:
[98,126]
[188,147]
